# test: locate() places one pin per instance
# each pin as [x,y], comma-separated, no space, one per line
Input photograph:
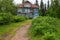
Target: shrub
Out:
[41,26]
[5,18]
[1,20]
[50,38]
[19,18]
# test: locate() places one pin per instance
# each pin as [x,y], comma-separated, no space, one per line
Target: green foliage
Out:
[50,38]
[7,6]
[44,27]
[5,18]
[53,11]
[19,18]
[42,9]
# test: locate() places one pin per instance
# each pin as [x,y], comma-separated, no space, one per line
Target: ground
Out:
[21,33]
[9,33]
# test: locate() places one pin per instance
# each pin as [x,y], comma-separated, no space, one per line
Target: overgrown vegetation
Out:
[54,9]
[9,23]
[45,28]
[6,18]
[42,28]
[19,18]
[7,6]
[8,11]
[9,20]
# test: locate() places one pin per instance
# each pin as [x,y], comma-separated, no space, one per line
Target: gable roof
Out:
[32,5]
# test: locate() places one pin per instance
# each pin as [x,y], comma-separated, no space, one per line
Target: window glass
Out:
[27,10]
[19,10]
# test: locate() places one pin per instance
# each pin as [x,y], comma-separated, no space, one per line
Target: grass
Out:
[11,28]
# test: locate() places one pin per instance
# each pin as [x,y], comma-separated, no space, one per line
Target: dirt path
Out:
[21,34]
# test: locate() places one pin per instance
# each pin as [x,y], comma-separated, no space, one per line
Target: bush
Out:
[41,26]
[1,20]
[19,18]
[5,18]
[50,38]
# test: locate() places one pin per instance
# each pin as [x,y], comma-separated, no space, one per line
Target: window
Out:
[27,10]
[19,10]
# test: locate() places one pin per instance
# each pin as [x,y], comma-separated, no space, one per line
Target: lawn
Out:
[11,28]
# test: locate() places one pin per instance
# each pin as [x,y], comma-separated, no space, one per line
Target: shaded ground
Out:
[21,33]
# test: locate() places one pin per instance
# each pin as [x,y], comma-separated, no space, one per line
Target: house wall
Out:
[27,12]
[19,10]
[27,5]
[35,12]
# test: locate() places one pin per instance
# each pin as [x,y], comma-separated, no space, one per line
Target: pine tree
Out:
[54,9]
[36,3]
[48,4]
[52,2]
[45,7]
[41,5]
[41,8]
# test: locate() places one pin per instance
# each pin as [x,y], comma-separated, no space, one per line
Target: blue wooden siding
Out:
[27,12]
[35,13]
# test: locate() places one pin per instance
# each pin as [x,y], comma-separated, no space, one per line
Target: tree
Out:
[48,4]
[45,7]
[36,3]
[0,5]
[8,6]
[52,2]
[54,9]
[42,8]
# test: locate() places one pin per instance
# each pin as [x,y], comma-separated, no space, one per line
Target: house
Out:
[28,9]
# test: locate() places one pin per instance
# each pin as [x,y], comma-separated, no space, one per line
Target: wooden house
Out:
[28,9]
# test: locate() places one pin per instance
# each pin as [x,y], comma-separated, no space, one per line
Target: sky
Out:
[32,1]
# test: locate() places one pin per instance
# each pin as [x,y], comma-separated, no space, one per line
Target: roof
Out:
[32,5]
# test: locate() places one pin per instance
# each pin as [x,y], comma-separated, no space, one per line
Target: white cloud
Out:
[32,1]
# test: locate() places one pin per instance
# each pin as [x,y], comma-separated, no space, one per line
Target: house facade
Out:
[28,9]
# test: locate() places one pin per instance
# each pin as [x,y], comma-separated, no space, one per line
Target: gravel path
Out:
[21,34]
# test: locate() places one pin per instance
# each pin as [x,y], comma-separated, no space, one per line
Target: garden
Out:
[44,27]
